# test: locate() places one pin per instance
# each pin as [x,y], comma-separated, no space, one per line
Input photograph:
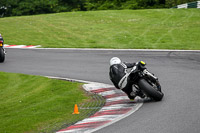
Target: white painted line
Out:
[114,107]
[99,118]
[147,50]
[90,87]
[18,46]
[116,98]
[107,93]
[21,46]
[78,130]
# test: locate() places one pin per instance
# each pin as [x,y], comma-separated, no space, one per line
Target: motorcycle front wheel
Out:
[150,90]
[2,55]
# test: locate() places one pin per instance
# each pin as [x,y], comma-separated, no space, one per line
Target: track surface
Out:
[178,72]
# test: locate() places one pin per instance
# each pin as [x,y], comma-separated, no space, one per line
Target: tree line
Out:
[31,7]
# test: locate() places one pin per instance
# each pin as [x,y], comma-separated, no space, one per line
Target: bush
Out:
[131,4]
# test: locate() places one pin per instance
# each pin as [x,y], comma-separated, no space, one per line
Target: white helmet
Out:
[114,60]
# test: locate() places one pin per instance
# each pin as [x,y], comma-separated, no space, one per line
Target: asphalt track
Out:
[178,72]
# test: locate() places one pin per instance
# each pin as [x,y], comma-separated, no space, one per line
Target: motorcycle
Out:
[145,82]
[2,51]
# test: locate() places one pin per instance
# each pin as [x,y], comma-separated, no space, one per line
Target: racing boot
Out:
[132,95]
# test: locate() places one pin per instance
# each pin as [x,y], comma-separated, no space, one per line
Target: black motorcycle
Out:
[145,82]
[2,51]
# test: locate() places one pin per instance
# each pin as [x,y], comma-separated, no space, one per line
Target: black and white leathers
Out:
[119,75]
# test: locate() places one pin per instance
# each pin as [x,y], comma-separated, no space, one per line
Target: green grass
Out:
[37,104]
[134,29]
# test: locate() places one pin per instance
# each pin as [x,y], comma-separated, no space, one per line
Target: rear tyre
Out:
[2,55]
[151,91]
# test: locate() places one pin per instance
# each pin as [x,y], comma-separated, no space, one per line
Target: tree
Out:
[162,2]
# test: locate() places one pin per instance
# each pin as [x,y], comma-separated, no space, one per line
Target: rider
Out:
[2,41]
[1,38]
[120,77]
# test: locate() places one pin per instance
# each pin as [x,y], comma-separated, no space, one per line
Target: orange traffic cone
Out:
[76,109]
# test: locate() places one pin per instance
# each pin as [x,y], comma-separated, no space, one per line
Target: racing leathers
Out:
[2,42]
[120,76]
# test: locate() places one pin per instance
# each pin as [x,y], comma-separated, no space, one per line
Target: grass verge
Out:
[37,104]
[133,29]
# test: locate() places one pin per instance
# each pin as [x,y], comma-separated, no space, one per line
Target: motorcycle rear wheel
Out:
[2,55]
[150,90]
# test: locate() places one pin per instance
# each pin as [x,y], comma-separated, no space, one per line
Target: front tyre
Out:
[150,90]
[2,55]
